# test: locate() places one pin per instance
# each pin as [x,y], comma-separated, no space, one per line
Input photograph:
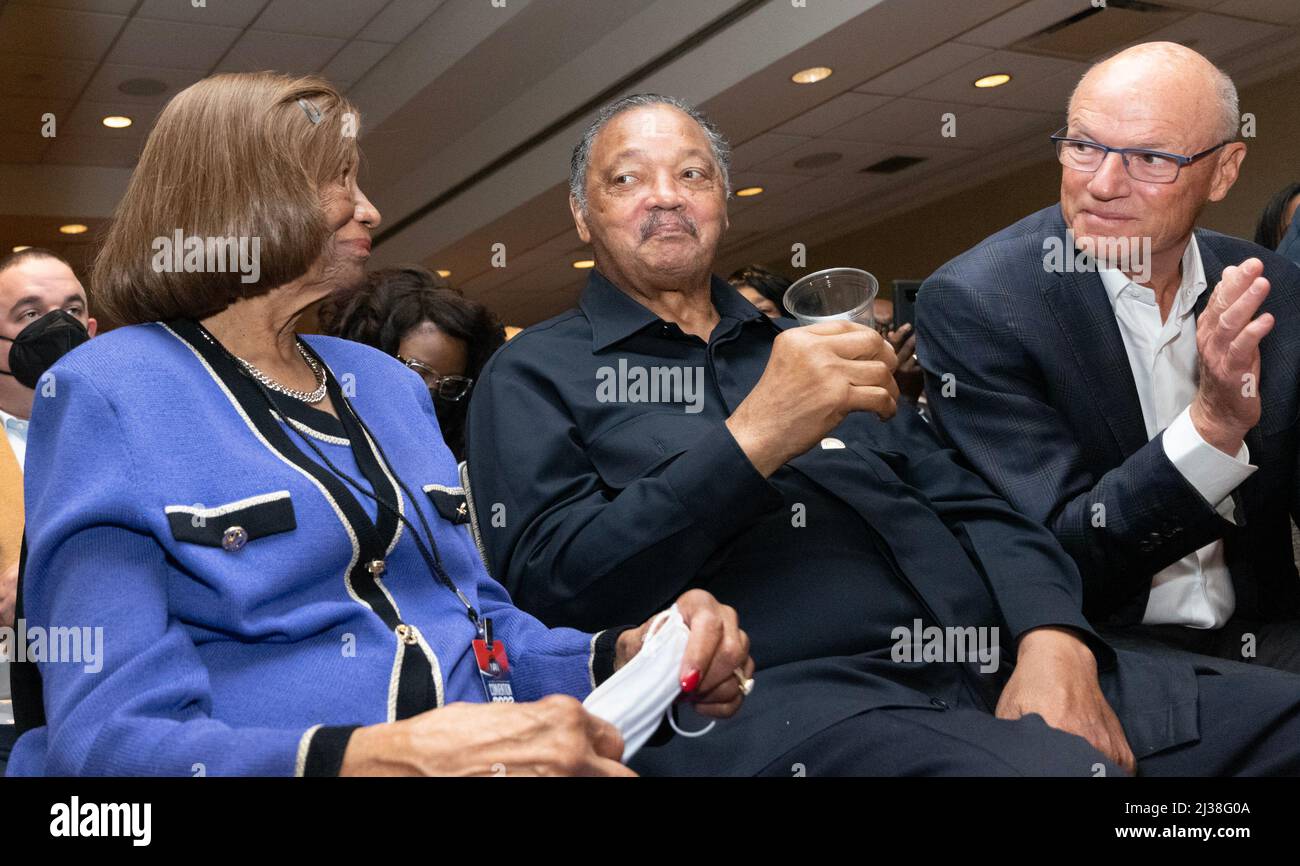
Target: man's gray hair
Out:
[1229,106]
[582,152]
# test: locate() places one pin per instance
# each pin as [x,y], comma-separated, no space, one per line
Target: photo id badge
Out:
[494,668]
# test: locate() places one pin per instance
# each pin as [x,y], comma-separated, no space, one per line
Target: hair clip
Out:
[313,114]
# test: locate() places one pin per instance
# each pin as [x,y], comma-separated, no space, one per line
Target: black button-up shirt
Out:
[606,483]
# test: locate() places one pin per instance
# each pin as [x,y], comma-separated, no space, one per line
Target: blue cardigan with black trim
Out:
[235,649]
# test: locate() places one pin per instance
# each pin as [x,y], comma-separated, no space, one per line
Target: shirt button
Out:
[939,702]
[234,538]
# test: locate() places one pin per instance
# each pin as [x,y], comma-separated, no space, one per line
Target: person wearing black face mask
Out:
[41,344]
[410,313]
[43,315]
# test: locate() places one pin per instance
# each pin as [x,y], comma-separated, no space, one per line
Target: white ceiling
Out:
[449,88]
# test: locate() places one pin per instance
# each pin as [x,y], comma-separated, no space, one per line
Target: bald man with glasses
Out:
[1132,381]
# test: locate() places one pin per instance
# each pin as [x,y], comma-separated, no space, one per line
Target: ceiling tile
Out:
[936,62]
[761,148]
[958,86]
[314,18]
[355,60]
[897,122]
[831,114]
[43,77]
[94,150]
[1263,61]
[226,13]
[104,86]
[1277,11]
[115,7]
[1016,24]
[398,20]
[21,114]
[172,44]
[1050,93]
[50,32]
[19,148]
[853,155]
[983,127]
[284,52]
[1217,36]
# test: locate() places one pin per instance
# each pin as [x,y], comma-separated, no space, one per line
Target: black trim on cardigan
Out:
[325,754]
[603,653]
[416,685]
[452,506]
[257,520]
[317,420]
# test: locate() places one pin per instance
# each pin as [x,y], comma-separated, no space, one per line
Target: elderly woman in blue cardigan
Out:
[256,519]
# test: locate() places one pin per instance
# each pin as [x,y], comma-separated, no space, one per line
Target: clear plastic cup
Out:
[833,294]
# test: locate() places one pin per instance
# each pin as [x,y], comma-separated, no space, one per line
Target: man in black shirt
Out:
[904,618]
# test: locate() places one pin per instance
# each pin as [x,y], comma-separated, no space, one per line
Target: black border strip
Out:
[706,32]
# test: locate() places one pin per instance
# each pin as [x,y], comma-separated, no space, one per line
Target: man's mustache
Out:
[659,218]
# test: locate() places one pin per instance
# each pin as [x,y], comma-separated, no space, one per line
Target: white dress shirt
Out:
[16,433]
[1196,590]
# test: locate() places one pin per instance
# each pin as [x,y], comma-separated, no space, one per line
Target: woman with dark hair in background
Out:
[1276,219]
[413,315]
[762,288]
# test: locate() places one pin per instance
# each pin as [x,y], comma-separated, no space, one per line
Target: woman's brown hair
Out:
[233,156]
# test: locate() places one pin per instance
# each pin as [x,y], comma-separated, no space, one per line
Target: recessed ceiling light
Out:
[19,249]
[811,75]
[444,274]
[583,264]
[996,80]
[73,229]
[748,191]
[117,121]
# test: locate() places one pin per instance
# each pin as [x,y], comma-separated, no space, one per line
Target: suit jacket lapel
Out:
[1213,267]
[1088,327]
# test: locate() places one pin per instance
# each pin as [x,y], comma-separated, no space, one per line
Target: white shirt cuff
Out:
[1214,474]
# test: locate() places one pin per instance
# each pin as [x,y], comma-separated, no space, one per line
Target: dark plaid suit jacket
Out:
[1041,399]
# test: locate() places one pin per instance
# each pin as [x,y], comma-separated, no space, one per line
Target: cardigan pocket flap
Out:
[450,502]
[234,524]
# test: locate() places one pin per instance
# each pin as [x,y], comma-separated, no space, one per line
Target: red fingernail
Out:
[691,682]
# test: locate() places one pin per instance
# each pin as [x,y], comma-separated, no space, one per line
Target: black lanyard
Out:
[350,419]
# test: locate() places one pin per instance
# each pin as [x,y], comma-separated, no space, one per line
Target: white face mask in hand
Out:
[643,690]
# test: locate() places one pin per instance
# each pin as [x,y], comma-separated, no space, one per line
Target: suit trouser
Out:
[1249,726]
[1271,644]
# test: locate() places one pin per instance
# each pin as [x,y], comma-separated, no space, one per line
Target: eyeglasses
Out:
[1148,166]
[449,388]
